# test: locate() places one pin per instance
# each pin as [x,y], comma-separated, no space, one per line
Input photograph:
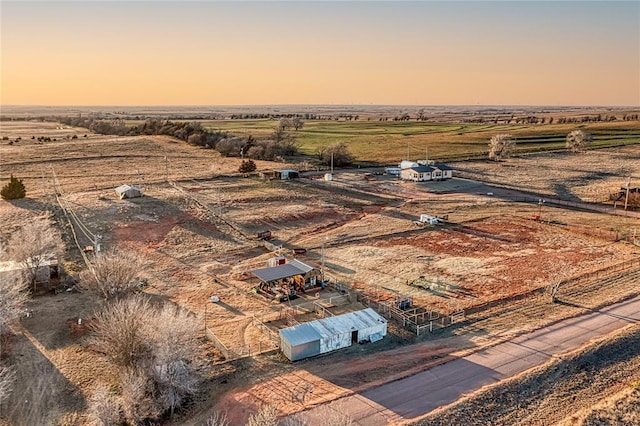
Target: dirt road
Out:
[419,394]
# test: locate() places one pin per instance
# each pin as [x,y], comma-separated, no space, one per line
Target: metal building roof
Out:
[300,334]
[301,265]
[331,326]
[277,272]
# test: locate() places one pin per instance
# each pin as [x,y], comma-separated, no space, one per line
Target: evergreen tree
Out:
[247,166]
[13,190]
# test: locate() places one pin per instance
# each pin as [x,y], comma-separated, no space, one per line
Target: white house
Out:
[421,171]
[417,173]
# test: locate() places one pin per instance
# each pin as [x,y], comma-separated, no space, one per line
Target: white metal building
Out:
[128,191]
[332,333]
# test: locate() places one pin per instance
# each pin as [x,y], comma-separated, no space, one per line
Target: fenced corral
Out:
[243,351]
[289,315]
[218,344]
[415,319]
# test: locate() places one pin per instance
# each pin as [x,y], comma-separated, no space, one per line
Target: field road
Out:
[414,396]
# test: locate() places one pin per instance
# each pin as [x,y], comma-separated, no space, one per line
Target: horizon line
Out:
[303,104]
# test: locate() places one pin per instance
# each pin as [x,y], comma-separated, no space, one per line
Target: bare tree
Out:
[120,331]
[7,377]
[218,419]
[281,132]
[578,141]
[12,298]
[137,399]
[329,416]
[340,153]
[266,416]
[36,394]
[297,123]
[105,407]
[113,273]
[172,365]
[157,347]
[500,146]
[32,245]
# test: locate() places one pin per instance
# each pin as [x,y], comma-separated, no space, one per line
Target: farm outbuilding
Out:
[46,267]
[332,333]
[286,174]
[128,191]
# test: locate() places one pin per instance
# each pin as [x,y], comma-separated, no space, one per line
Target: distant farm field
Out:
[390,141]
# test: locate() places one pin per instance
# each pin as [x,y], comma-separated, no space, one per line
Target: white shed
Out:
[286,174]
[332,333]
[128,191]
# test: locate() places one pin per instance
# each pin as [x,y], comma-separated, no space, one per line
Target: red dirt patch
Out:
[151,232]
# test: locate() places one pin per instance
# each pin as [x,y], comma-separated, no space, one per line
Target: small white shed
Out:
[128,191]
[332,333]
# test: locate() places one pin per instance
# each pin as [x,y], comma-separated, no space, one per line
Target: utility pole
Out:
[626,198]
[322,267]
[166,169]
[44,192]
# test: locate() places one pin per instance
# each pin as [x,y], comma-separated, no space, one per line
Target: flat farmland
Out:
[196,227]
[389,142]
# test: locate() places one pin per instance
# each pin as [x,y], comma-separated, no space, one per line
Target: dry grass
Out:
[195,252]
[555,391]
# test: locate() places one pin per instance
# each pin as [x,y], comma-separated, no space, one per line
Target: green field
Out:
[388,142]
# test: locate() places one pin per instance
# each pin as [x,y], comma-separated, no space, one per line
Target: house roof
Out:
[332,326]
[442,166]
[422,169]
[277,272]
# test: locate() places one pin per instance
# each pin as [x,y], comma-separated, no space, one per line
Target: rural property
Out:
[392,276]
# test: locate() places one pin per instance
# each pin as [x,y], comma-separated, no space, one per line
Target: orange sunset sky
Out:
[332,52]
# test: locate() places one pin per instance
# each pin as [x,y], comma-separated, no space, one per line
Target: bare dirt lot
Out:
[197,234]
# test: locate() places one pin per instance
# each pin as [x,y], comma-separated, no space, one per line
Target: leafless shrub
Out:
[336,418]
[7,377]
[500,146]
[266,416]
[137,397]
[32,244]
[35,398]
[338,152]
[329,416]
[105,407]
[218,419]
[13,298]
[114,273]
[298,419]
[578,141]
[172,362]
[120,331]
[157,343]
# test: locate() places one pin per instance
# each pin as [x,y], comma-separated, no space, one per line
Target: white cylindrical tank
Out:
[406,164]
[328,176]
